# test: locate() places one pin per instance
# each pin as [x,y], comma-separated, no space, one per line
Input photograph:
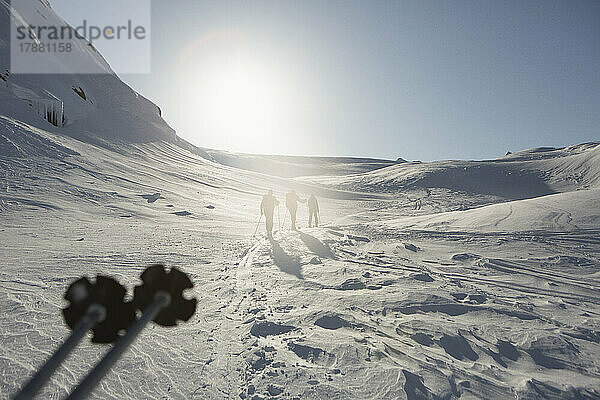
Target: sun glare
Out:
[234,98]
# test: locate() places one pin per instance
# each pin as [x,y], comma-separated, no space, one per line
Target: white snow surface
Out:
[563,211]
[107,108]
[382,301]
[441,280]
[526,174]
[298,166]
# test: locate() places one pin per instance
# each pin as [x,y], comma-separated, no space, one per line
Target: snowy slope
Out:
[296,166]
[95,106]
[563,211]
[425,281]
[522,175]
[370,306]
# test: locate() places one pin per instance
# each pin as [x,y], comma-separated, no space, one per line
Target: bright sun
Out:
[233,98]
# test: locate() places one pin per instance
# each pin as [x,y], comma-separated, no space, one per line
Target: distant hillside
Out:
[295,166]
[562,211]
[521,175]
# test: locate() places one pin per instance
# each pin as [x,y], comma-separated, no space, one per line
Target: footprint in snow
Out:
[151,198]
[182,213]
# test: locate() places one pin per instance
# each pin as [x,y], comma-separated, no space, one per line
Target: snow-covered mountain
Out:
[439,280]
[526,174]
[96,107]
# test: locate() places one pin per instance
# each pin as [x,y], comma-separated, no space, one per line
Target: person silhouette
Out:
[267,207]
[291,202]
[313,211]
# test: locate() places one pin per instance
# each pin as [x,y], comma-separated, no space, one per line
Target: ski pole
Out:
[278,217]
[99,306]
[284,219]
[161,300]
[95,314]
[257,225]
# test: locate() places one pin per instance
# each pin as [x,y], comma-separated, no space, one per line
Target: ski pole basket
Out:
[100,306]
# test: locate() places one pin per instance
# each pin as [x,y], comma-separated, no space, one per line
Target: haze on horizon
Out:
[411,79]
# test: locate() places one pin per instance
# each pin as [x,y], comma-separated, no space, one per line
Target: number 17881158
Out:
[46,47]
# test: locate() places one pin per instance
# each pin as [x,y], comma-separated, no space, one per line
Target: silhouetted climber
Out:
[291,202]
[267,206]
[418,204]
[313,210]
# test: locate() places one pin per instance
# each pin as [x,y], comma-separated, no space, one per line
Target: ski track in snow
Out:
[368,306]
[436,280]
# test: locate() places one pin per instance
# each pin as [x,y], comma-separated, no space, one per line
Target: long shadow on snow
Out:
[285,262]
[316,246]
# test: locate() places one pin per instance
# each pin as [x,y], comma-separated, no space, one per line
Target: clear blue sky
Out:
[414,79]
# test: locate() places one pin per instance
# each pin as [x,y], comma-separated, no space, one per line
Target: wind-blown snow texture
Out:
[443,280]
